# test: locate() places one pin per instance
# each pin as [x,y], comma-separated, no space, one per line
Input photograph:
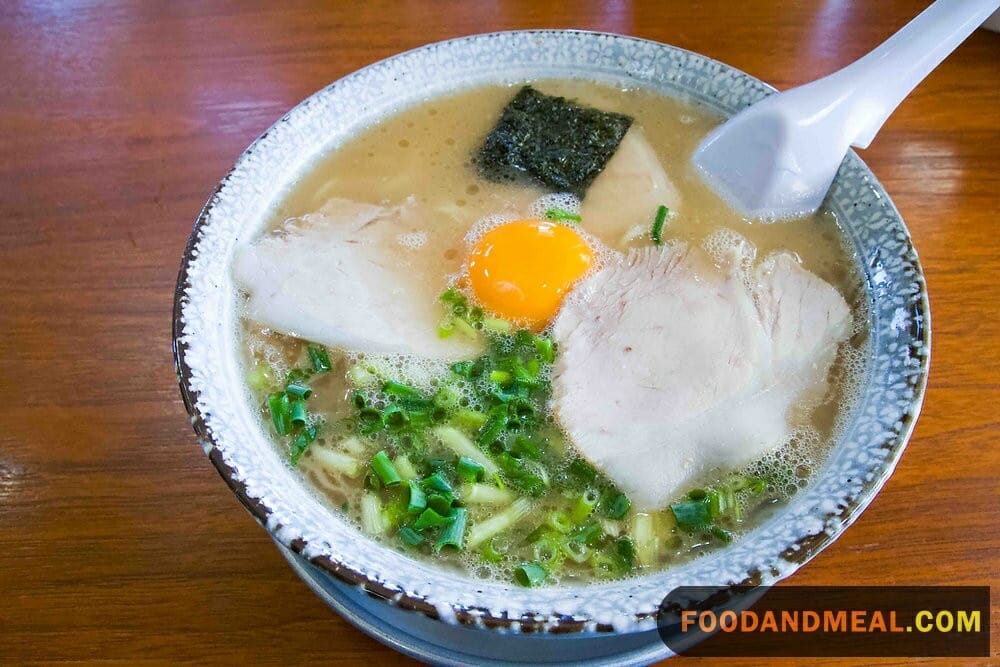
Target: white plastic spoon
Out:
[777,158]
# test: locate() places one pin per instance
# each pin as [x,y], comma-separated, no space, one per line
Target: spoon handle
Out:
[884,77]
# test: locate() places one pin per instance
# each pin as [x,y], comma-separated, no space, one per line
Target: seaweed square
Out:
[551,140]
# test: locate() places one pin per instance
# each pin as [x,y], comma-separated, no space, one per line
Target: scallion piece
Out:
[400,390]
[502,378]
[437,482]
[440,503]
[492,551]
[496,422]
[582,471]
[280,408]
[382,466]
[297,412]
[469,470]
[454,533]
[619,506]
[298,390]
[578,552]
[562,214]
[584,505]
[431,519]
[319,358]
[418,499]
[260,378]
[530,574]
[545,349]
[559,521]
[410,536]
[721,534]
[300,444]
[691,514]
[656,234]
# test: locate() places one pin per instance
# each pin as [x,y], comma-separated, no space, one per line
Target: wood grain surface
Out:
[119,542]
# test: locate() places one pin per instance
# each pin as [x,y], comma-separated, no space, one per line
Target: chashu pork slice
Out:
[623,199]
[354,276]
[671,368]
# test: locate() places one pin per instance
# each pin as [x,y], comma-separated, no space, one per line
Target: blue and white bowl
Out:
[437,615]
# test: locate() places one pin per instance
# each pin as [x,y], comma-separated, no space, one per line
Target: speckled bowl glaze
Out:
[326,546]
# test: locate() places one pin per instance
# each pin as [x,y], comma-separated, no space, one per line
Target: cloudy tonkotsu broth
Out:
[529,506]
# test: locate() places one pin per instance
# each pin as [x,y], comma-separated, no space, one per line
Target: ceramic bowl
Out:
[438,615]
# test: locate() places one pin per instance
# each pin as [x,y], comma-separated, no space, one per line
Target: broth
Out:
[425,151]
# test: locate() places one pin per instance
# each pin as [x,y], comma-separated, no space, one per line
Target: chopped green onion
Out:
[625,549]
[319,358]
[545,349]
[559,521]
[382,466]
[547,551]
[447,397]
[492,552]
[437,482]
[453,535]
[469,470]
[562,214]
[297,412]
[589,534]
[530,574]
[578,552]
[469,419]
[484,494]
[440,503]
[657,232]
[691,514]
[337,461]
[400,390]
[495,424]
[501,377]
[301,443]
[584,505]
[463,368]
[721,534]
[373,520]
[299,390]
[410,536]
[497,325]
[405,468]
[280,408]
[298,375]
[461,445]
[446,328]
[464,327]
[582,471]
[619,506]
[431,519]
[418,499]
[260,378]
[484,530]
[647,542]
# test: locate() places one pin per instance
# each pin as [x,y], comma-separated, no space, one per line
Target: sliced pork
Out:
[354,276]
[670,367]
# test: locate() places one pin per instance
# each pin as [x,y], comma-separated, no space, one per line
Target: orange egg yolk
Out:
[521,270]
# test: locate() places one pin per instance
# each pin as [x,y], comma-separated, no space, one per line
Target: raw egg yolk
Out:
[521,270]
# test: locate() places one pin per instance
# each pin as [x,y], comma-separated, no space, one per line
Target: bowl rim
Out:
[807,547]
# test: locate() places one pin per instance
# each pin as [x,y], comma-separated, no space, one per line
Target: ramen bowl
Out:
[438,615]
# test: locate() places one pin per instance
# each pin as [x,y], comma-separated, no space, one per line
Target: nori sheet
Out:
[552,140]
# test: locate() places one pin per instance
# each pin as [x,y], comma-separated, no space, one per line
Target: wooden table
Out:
[119,542]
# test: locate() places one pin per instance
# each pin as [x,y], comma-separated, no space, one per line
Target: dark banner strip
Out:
[820,621]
